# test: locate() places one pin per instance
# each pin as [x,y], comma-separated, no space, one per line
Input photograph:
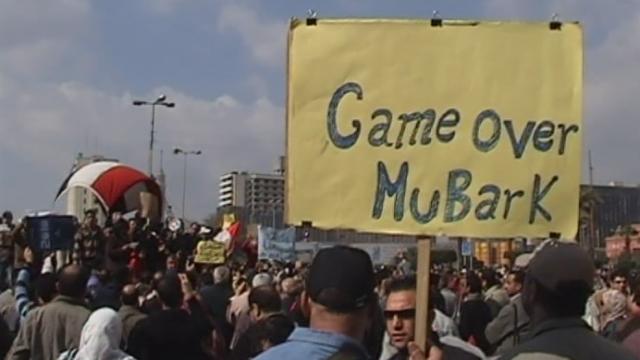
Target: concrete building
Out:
[615,205]
[78,199]
[623,237]
[260,195]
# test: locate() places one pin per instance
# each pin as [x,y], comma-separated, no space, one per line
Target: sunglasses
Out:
[401,314]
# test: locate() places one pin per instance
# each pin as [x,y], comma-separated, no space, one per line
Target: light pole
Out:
[186,153]
[161,100]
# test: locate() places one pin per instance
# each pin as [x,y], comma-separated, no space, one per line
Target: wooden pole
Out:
[422,292]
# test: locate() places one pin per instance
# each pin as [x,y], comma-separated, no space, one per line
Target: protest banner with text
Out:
[464,129]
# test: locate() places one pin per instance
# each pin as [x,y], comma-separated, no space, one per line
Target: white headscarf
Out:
[100,338]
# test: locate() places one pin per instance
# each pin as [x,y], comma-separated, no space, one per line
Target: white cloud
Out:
[51,123]
[265,38]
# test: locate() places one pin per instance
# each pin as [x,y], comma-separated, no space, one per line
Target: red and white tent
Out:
[118,187]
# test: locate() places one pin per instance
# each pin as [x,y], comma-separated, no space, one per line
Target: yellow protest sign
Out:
[465,129]
[210,252]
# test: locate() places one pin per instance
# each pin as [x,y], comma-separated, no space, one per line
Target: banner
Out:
[210,252]
[467,129]
[276,244]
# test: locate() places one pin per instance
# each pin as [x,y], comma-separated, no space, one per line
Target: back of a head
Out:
[341,279]
[170,291]
[129,295]
[101,332]
[474,283]
[563,276]
[72,281]
[206,279]
[273,330]
[261,279]
[266,298]
[221,275]
[490,277]
[46,287]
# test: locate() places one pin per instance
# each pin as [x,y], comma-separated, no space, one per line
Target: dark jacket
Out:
[475,315]
[216,299]
[570,338]
[171,334]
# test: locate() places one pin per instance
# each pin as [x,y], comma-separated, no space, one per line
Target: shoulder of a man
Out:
[308,344]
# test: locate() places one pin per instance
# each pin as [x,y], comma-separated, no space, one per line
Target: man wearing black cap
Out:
[341,300]
[558,282]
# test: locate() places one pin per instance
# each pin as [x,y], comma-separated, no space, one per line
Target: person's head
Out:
[170,291]
[619,281]
[206,278]
[400,310]
[558,281]
[7,218]
[221,275]
[261,279]
[264,301]
[614,306]
[264,334]
[340,291]
[46,288]
[101,334]
[129,295]
[172,262]
[72,281]
[472,284]
[489,278]
[291,287]
[449,280]
[514,282]
[90,217]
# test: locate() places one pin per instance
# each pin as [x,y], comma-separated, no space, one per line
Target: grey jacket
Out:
[130,317]
[50,330]
[510,327]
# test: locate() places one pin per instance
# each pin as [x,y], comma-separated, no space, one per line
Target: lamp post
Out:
[161,100]
[178,151]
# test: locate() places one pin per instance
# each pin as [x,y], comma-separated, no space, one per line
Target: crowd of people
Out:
[128,290]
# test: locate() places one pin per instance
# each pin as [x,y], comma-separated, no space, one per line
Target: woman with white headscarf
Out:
[614,311]
[100,339]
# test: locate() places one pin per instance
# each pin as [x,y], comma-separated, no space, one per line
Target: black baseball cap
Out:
[341,278]
[559,262]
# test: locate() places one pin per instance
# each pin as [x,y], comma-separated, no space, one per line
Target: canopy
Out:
[118,187]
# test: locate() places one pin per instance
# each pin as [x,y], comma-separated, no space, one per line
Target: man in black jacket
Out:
[475,314]
[172,333]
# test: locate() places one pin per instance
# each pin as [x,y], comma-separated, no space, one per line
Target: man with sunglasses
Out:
[400,311]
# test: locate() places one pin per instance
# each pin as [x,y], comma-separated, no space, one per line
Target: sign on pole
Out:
[469,129]
[276,244]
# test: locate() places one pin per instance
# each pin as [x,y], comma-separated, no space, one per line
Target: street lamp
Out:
[178,151]
[161,100]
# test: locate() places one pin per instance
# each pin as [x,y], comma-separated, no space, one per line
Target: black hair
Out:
[490,277]
[206,278]
[266,298]
[72,281]
[273,331]
[569,299]
[474,283]
[46,287]
[403,283]
[129,297]
[518,276]
[618,273]
[170,291]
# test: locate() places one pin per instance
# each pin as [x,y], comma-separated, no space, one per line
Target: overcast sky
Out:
[70,68]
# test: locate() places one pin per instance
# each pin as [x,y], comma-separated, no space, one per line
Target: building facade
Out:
[260,195]
[615,205]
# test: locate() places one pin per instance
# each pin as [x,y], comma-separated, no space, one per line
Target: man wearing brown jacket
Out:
[55,327]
